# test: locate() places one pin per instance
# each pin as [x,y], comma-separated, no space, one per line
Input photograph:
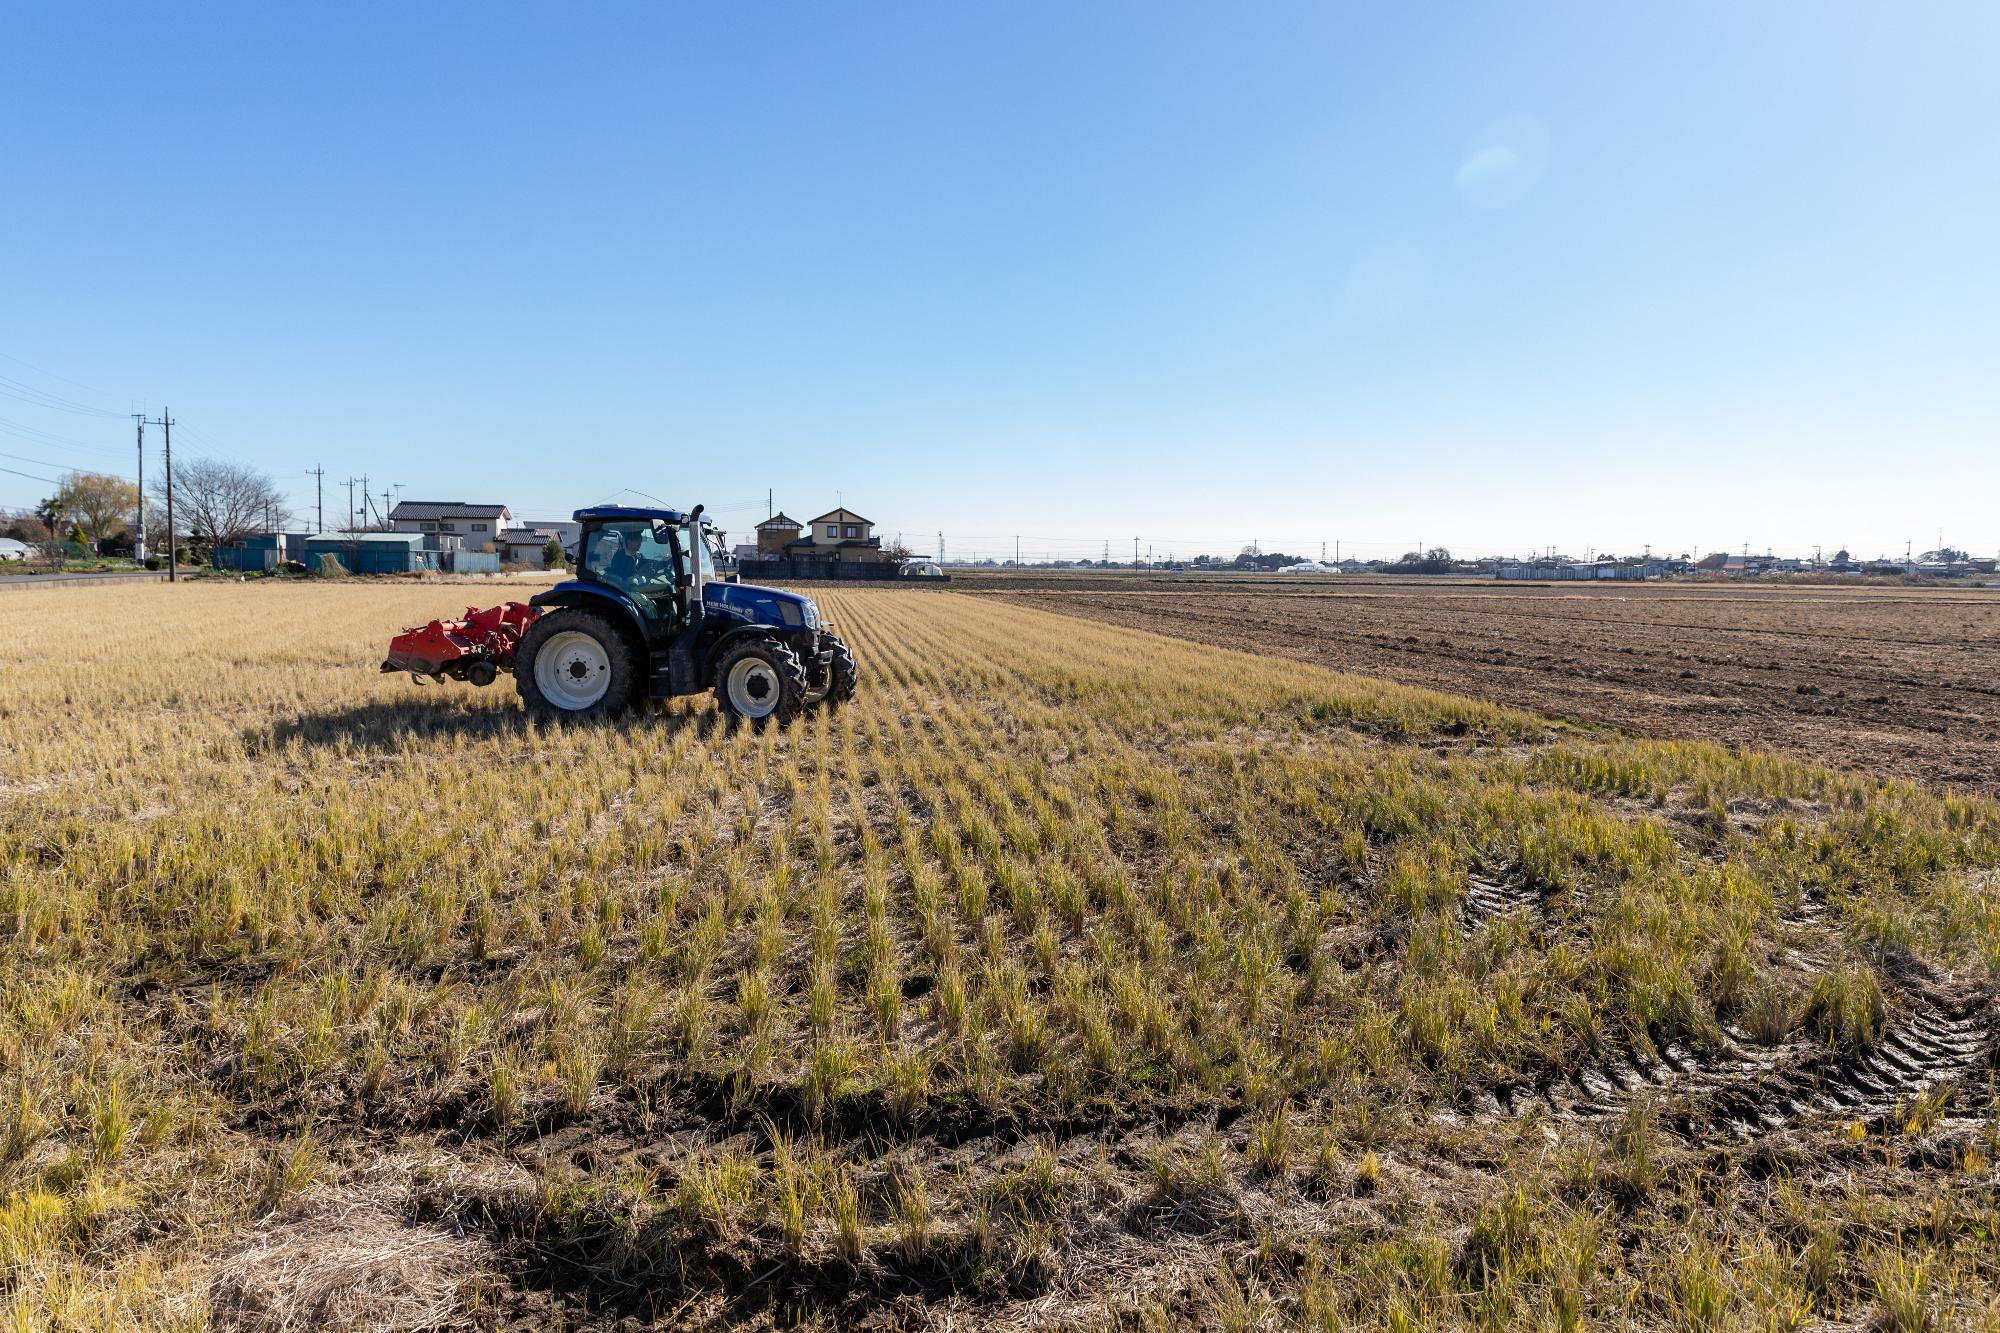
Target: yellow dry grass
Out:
[1071,975]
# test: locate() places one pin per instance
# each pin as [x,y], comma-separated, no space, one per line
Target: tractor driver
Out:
[628,566]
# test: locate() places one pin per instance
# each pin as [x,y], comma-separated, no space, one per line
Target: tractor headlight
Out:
[812,614]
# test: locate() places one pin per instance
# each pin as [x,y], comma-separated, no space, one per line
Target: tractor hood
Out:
[755,605]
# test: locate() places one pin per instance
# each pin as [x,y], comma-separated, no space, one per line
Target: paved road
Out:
[49,580]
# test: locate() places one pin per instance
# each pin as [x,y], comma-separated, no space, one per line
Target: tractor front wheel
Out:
[842,676]
[574,663]
[761,681]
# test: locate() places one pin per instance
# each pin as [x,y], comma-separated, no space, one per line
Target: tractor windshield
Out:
[629,556]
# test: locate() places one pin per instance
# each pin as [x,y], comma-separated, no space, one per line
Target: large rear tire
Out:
[575,664]
[761,681]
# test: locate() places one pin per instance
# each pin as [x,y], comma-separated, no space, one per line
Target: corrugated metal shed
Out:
[260,551]
[373,552]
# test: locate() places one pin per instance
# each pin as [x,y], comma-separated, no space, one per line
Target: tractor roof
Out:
[612,513]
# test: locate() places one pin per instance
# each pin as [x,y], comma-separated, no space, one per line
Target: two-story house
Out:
[777,532]
[475,526]
[841,534]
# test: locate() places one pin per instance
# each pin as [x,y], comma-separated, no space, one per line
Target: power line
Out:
[43,462]
[216,447]
[28,393]
[40,436]
[74,384]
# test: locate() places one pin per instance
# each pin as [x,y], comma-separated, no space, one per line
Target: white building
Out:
[526,546]
[476,526]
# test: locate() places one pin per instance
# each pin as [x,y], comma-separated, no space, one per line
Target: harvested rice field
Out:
[1072,976]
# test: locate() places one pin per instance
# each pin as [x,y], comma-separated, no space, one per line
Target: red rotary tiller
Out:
[476,649]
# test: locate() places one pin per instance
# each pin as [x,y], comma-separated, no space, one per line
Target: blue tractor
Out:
[648,617]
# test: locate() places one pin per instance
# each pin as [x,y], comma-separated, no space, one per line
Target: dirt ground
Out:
[1890,681]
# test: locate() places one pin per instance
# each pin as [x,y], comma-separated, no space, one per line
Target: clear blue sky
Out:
[1490,276]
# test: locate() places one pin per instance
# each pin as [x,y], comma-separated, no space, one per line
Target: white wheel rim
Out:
[573,670]
[753,687]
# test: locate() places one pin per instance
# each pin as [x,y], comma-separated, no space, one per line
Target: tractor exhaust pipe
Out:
[692,530]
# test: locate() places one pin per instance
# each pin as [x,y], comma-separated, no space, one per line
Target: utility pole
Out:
[364,499]
[173,547]
[940,548]
[140,551]
[770,510]
[318,475]
[350,484]
[1135,554]
[1017,550]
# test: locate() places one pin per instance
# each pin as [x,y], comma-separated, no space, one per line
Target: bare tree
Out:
[102,503]
[218,502]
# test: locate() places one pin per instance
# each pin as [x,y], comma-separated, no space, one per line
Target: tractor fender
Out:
[590,597]
[729,638]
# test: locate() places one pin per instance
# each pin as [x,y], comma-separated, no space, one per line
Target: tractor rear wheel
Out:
[761,681]
[576,664]
[843,676]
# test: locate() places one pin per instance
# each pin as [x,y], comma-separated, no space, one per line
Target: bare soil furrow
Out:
[1885,683]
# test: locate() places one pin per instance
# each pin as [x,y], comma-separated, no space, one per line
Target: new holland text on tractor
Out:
[646,617]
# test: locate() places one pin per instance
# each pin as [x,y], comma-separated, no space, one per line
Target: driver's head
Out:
[633,541]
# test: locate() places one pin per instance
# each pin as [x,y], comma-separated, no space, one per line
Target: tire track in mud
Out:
[1750,1089]
[1940,1039]
[1938,1042]
[1486,899]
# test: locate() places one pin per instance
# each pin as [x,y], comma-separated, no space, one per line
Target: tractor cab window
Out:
[632,557]
[705,556]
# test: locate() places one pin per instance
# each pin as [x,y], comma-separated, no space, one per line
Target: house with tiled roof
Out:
[476,526]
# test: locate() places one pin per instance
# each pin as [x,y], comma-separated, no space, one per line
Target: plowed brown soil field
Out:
[1902,681]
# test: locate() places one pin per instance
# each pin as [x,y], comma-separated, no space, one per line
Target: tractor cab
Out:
[637,556]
